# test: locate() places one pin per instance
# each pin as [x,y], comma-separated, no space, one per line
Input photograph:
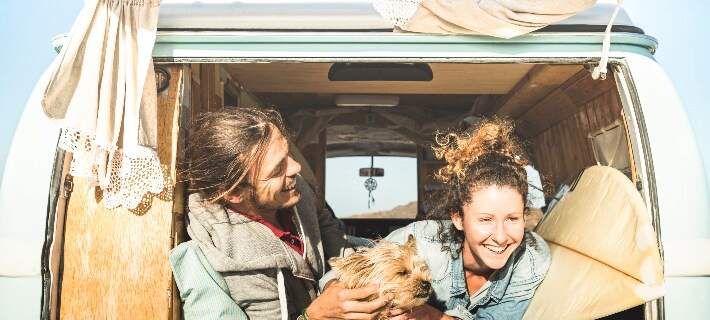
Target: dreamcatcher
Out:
[371,184]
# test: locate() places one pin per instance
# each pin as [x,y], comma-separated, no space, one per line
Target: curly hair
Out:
[490,155]
[224,146]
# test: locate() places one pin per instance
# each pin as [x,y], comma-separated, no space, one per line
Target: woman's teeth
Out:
[495,249]
[289,188]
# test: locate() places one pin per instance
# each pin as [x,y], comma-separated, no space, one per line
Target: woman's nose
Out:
[499,235]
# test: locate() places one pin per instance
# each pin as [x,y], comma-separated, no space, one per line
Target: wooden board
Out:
[537,83]
[564,102]
[449,78]
[116,261]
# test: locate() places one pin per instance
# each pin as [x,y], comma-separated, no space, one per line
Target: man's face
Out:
[274,185]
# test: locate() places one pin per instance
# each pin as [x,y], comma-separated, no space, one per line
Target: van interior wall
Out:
[558,128]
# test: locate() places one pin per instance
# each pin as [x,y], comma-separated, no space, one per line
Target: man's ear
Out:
[236,196]
[457,219]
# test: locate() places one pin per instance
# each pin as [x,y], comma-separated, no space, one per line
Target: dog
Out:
[395,268]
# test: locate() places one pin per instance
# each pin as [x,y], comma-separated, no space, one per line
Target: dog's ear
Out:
[411,243]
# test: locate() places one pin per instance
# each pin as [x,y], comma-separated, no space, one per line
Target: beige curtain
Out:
[103,87]
[498,18]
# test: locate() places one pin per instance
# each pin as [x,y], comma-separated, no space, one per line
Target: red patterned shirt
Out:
[286,234]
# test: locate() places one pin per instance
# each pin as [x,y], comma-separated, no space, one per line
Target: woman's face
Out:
[493,226]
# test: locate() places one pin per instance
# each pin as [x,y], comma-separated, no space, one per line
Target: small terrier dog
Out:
[395,268]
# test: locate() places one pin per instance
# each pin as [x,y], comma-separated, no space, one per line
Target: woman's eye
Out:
[485,219]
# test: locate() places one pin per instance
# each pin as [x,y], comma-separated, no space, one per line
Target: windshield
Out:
[395,195]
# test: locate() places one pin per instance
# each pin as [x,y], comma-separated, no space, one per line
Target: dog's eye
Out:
[402,273]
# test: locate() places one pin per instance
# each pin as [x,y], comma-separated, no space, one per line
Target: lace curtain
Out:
[103,87]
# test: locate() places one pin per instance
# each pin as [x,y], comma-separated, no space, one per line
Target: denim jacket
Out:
[507,293]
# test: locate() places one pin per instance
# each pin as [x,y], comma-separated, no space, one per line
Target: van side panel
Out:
[677,172]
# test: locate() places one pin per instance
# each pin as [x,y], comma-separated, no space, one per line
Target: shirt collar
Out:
[284,217]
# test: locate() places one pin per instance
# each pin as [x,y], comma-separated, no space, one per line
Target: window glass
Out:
[394,197]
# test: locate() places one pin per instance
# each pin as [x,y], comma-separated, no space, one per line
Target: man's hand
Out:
[423,312]
[337,302]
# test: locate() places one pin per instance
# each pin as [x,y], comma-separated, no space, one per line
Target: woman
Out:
[484,264]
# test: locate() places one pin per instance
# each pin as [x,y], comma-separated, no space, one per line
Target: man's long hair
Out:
[225,147]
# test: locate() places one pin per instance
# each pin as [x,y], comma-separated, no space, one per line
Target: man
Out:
[536,198]
[259,242]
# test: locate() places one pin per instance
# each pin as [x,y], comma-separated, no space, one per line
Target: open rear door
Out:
[115,261]
[605,257]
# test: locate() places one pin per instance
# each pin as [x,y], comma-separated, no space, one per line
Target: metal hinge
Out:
[68,186]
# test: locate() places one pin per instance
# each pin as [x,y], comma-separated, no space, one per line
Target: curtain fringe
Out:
[134,3]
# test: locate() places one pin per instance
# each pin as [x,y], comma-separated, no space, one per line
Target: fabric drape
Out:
[103,87]
[498,18]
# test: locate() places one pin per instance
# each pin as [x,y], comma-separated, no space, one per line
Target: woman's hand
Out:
[337,302]
[423,312]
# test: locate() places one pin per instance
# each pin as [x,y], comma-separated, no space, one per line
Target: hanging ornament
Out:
[371,184]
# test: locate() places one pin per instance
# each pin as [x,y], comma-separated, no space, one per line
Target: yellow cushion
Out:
[604,253]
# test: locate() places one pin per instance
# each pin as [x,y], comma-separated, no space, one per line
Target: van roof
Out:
[332,15]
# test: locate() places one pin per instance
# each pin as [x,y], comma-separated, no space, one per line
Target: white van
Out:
[349,86]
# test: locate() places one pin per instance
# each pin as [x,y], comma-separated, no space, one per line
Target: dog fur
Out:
[395,268]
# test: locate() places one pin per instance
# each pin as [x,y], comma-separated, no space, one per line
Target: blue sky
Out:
[680,26]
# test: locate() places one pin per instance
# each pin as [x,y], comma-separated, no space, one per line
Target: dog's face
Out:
[395,268]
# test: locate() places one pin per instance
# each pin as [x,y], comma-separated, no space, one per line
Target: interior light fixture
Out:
[366,100]
[359,71]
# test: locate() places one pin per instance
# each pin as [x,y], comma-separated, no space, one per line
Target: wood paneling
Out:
[116,261]
[563,150]
[449,78]
[535,85]
[563,102]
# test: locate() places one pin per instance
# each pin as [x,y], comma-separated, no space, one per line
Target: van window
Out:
[395,196]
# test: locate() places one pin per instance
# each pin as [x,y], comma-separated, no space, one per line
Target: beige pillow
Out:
[604,253]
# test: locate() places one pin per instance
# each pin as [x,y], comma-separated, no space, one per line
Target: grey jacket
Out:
[266,278]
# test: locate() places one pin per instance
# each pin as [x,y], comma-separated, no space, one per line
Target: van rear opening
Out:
[394,109]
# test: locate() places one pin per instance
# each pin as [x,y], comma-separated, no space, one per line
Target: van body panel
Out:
[674,187]
[21,297]
[206,46]
[677,167]
[687,298]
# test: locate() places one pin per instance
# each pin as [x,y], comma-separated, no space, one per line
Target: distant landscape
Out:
[408,210]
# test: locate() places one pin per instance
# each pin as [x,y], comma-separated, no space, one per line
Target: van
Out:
[349,86]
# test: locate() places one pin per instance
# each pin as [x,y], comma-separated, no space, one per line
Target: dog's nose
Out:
[426,286]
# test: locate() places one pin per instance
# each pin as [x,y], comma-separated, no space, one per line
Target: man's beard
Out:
[257,204]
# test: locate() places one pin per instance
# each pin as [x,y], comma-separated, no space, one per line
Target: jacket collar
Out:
[232,242]
[499,280]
